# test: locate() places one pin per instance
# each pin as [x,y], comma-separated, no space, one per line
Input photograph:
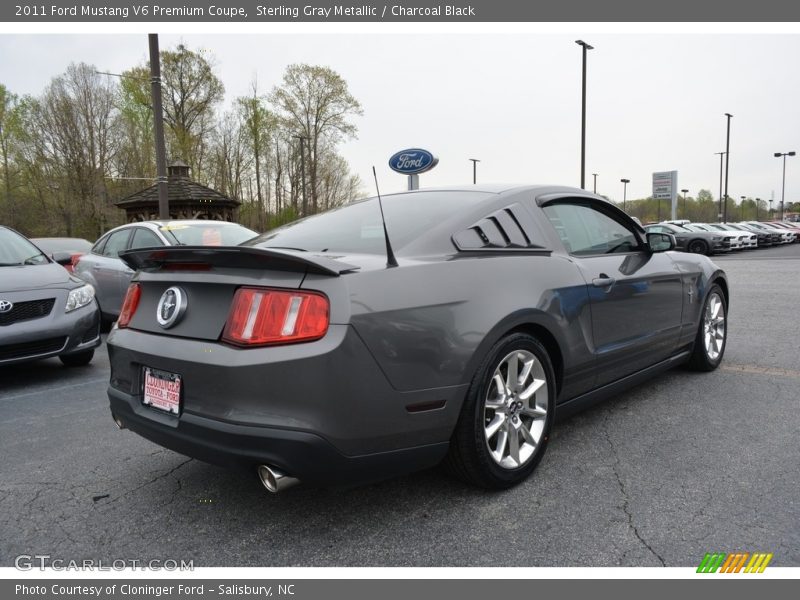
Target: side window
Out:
[585,231]
[144,238]
[116,243]
[658,229]
[98,245]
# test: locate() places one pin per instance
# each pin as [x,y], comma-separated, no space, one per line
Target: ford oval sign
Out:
[413,161]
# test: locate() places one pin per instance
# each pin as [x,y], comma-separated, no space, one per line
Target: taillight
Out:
[129,305]
[74,261]
[261,316]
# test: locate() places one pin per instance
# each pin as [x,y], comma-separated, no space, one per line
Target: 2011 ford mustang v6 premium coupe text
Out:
[316,352]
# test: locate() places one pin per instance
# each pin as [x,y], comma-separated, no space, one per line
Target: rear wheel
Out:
[698,247]
[505,423]
[79,359]
[712,334]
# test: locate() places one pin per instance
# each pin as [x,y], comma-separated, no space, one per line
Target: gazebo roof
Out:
[182,190]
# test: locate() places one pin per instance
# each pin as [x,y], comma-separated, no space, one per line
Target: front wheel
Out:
[712,333]
[505,422]
[699,247]
[78,359]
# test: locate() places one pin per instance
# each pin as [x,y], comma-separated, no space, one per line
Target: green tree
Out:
[315,102]
[259,125]
[191,92]
[10,114]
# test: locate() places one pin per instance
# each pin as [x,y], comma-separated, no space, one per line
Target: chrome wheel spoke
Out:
[500,448]
[513,444]
[495,425]
[534,412]
[512,375]
[529,391]
[528,436]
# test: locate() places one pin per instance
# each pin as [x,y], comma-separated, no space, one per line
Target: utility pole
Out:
[158,121]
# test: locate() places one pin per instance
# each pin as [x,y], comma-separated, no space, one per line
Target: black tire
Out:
[699,247]
[703,358]
[79,359]
[470,457]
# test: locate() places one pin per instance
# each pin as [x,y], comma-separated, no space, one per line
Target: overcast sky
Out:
[655,102]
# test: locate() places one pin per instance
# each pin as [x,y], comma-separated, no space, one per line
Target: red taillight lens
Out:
[130,305]
[73,261]
[262,316]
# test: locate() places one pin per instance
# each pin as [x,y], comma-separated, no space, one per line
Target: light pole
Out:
[719,213]
[758,201]
[771,200]
[585,47]
[783,187]
[594,189]
[684,202]
[741,207]
[727,165]
[475,162]
[625,183]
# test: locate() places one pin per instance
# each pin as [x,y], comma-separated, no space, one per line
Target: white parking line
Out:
[756,370]
[53,389]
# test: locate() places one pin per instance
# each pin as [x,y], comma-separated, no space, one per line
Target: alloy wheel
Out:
[515,409]
[714,327]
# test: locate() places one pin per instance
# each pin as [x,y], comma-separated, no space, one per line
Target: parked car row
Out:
[717,238]
[54,292]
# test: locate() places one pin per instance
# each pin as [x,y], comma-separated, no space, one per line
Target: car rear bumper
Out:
[320,411]
[301,454]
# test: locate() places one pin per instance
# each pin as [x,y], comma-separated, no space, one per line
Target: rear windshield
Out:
[356,228]
[16,250]
[206,234]
[51,245]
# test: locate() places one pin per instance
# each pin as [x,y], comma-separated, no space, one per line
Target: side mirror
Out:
[62,258]
[661,242]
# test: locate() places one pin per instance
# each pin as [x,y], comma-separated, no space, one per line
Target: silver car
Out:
[44,311]
[110,277]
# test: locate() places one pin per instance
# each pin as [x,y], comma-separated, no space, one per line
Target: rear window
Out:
[51,245]
[356,228]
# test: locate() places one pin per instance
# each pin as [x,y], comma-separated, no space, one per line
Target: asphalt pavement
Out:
[686,464]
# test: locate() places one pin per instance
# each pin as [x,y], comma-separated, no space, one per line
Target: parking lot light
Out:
[625,183]
[783,185]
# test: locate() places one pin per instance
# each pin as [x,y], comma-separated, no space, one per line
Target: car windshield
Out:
[695,227]
[15,250]
[211,233]
[357,228]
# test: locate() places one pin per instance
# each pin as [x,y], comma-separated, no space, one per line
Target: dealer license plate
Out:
[162,390]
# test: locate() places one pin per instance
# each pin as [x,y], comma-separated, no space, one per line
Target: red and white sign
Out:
[162,390]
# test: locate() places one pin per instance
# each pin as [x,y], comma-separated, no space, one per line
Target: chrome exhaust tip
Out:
[118,422]
[274,480]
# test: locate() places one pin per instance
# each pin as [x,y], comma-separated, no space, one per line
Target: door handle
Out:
[603,281]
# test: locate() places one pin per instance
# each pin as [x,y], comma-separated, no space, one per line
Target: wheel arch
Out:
[534,323]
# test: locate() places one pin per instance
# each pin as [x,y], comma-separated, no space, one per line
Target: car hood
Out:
[35,277]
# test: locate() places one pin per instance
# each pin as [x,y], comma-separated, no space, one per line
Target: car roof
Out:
[500,188]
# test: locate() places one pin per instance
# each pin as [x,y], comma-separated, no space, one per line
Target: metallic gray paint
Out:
[414,334]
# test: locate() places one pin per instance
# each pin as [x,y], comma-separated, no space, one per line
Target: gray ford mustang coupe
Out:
[314,353]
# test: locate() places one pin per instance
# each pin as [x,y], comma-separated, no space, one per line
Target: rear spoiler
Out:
[237,257]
